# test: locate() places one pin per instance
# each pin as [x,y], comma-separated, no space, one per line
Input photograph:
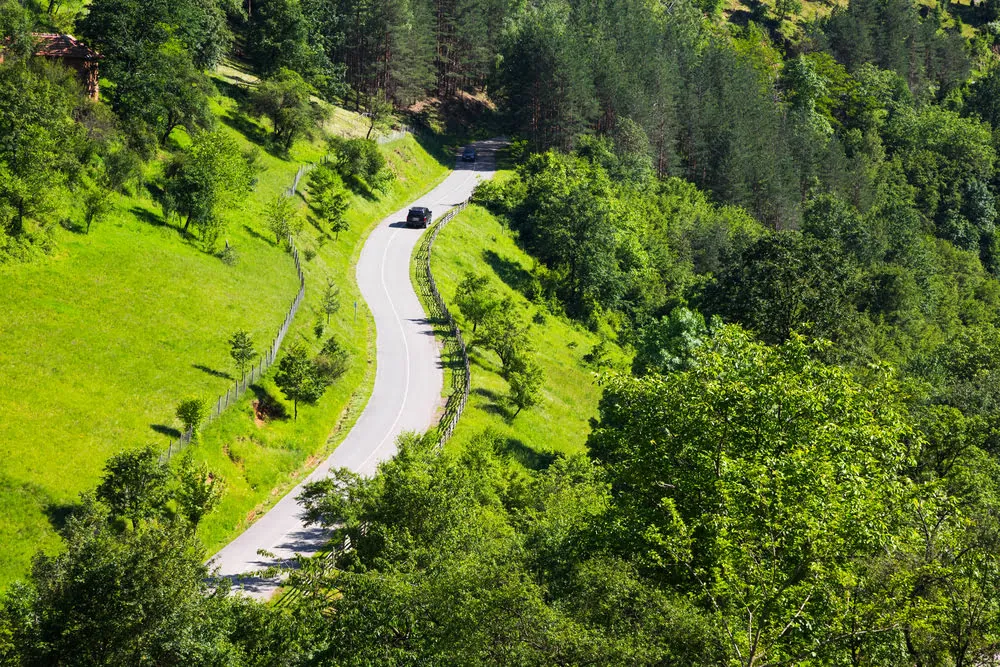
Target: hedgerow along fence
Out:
[461,378]
[265,360]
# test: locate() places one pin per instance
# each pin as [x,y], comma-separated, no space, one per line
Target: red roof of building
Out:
[63,46]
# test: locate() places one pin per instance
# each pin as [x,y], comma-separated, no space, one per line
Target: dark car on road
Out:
[419,216]
[469,154]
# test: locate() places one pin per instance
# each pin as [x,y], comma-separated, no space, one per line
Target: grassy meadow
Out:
[101,341]
[476,241]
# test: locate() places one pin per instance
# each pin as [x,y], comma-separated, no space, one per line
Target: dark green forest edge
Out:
[791,223]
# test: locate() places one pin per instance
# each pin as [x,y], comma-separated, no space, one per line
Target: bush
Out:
[192,413]
[229,256]
[361,160]
[331,362]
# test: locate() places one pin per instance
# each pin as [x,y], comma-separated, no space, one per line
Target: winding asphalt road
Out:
[407,391]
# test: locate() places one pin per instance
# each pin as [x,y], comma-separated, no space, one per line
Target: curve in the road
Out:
[407,391]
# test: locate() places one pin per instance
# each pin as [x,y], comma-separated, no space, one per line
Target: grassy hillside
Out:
[100,342]
[476,241]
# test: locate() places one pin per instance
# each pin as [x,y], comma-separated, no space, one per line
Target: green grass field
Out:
[101,341]
[476,241]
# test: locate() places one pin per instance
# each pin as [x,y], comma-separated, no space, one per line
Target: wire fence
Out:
[455,355]
[264,361]
[393,135]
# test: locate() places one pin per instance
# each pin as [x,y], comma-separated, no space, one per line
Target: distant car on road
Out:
[419,216]
[469,154]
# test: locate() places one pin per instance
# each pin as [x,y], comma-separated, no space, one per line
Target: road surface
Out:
[407,391]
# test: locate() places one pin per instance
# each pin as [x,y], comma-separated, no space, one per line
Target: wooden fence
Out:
[454,345]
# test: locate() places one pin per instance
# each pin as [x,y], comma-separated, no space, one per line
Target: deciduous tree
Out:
[241,349]
[298,378]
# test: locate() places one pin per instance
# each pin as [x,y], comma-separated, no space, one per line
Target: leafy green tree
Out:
[284,35]
[331,208]
[748,480]
[284,99]
[526,570]
[474,298]
[505,333]
[298,378]
[321,179]
[135,484]
[360,160]
[42,142]
[192,413]
[788,282]
[525,386]
[785,8]
[155,53]
[241,349]
[140,597]
[97,203]
[567,223]
[214,173]
[331,362]
[198,491]
[279,216]
[379,110]
[15,29]
[668,344]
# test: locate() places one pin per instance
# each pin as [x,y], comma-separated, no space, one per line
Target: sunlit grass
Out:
[100,342]
[476,241]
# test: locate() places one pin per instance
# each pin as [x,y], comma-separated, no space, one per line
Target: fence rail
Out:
[264,361]
[454,345]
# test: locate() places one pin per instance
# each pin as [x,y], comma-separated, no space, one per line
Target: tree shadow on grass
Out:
[59,513]
[495,405]
[435,146]
[360,188]
[234,91]
[213,372]
[168,431]
[512,273]
[74,227]
[253,132]
[268,406]
[257,235]
[148,217]
[525,454]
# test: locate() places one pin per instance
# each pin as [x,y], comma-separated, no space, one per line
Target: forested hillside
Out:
[785,218]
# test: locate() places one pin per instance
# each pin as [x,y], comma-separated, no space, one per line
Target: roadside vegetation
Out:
[568,356]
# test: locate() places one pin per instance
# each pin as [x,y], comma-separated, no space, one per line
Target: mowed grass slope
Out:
[476,241]
[99,343]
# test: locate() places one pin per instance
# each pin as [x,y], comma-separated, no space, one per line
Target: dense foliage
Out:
[791,225]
